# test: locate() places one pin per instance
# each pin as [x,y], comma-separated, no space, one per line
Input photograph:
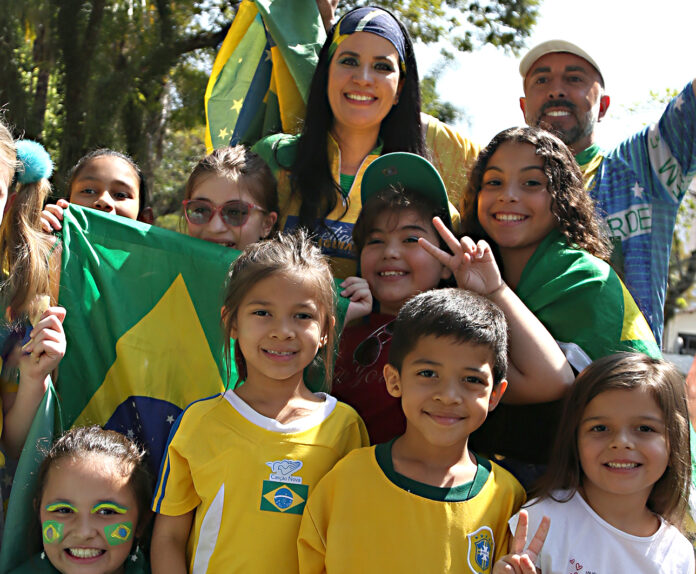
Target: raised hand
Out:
[358,291]
[40,356]
[327,9]
[519,560]
[472,264]
[46,346]
[52,215]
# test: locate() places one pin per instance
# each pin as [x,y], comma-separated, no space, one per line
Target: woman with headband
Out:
[364,101]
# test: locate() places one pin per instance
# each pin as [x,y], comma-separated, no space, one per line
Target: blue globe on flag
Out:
[283,498]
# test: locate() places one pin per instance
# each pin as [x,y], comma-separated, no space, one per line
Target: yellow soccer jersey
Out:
[452,155]
[248,478]
[365,517]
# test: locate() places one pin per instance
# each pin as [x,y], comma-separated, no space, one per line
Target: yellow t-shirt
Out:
[364,517]
[452,155]
[248,477]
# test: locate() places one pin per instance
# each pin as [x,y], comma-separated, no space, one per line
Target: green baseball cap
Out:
[412,172]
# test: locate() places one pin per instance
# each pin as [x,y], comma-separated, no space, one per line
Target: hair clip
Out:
[35,163]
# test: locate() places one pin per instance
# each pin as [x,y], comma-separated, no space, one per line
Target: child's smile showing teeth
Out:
[621,465]
[510,216]
[513,203]
[280,354]
[84,553]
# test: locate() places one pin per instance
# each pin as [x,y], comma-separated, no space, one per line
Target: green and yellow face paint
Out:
[118,533]
[52,531]
[111,506]
[60,506]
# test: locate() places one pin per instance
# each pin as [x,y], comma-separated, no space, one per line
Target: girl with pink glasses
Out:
[231,198]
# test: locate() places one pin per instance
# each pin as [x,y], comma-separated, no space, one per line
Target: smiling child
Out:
[93,497]
[426,503]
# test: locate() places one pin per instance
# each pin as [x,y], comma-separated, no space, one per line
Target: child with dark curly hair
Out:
[526,198]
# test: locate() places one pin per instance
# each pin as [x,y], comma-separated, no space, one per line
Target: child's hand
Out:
[52,215]
[521,561]
[39,357]
[358,291]
[46,347]
[472,264]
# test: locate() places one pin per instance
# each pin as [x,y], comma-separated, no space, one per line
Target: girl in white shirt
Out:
[616,489]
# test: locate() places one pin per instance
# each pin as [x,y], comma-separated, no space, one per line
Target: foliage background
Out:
[131,74]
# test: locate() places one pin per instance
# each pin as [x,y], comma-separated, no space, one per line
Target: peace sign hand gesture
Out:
[521,561]
[472,264]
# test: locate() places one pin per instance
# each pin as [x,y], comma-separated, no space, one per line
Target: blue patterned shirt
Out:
[638,187]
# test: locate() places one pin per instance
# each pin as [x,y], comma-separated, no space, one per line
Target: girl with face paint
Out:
[92,501]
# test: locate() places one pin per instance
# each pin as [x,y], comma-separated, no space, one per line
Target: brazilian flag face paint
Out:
[52,531]
[118,533]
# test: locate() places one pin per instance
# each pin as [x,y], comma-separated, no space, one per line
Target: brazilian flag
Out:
[142,324]
[583,303]
[261,75]
[144,340]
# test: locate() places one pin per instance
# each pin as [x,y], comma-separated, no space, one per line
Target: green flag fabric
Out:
[583,303]
[261,75]
[18,544]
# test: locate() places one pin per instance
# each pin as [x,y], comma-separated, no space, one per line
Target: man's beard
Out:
[570,136]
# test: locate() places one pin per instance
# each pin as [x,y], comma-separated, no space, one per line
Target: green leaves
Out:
[466,25]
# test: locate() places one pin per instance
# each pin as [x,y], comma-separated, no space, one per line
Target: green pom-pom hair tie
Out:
[34,162]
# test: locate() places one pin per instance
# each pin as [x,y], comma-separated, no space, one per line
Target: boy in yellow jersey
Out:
[423,502]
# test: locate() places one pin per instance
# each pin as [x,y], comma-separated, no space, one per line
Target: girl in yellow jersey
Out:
[240,465]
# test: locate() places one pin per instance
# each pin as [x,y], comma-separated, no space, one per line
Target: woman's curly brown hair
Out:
[571,205]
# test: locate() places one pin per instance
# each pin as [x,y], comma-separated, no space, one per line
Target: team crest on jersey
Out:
[282,470]
[480,551]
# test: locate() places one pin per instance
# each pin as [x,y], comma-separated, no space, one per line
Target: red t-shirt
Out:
[358,379]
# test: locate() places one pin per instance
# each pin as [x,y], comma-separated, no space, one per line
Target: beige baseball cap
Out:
[551,46]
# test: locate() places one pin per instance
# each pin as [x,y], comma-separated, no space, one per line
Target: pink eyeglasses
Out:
[234,213]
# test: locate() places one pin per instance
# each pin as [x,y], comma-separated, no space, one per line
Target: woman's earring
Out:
[133,557]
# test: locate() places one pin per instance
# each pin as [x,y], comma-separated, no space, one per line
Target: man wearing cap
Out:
[639,184]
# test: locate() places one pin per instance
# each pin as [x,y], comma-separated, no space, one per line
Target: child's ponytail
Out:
[24,248]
